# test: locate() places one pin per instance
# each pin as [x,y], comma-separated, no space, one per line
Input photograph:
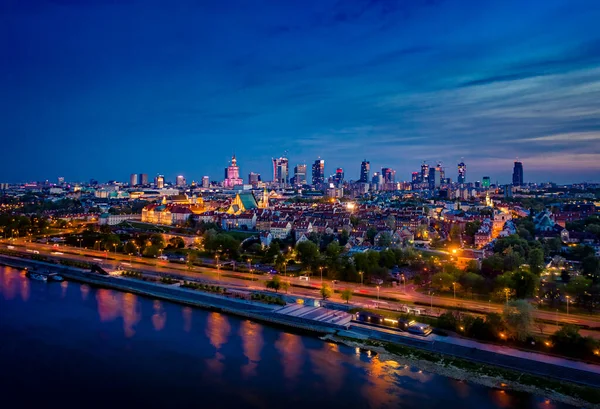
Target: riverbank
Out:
[407,351]
[490,376]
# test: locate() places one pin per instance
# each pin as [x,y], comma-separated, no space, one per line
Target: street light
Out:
[321,268]
[454,288]
[568,304]
[361,278]
[506,292]
[218,268]
[377,293]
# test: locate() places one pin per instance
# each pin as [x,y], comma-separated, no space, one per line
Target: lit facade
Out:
[232,175]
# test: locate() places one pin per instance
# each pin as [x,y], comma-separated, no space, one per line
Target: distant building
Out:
[133,179]
[143,178]
[365,169]
[377,181]
[159,181]
[253,178]
[232,175]
[205,182]
[424,172]
[462,172]
[243,202]
[517,179]
[318,172]
[280,171]
[300,175]
[388,174]
[61,180]
[486,182]
[415,177]
[338,179]
[180,181]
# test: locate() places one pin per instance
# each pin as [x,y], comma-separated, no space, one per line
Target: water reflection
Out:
[9,282]
[108,304]
[187,318]
[25,290]
[292,354]
[85,290]
[132,313]
[217,330]
[252,343]
[63,285]
[326,363]
[159,318]
[375,390]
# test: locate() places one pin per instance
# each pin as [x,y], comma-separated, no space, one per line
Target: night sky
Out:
[104,88]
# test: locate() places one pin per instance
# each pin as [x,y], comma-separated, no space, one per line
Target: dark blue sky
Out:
[103,88]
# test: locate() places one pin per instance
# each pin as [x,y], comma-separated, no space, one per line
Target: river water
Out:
[67,345]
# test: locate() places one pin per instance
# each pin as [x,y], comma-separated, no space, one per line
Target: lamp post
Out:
[404,282]
[218,268]
[285,268]
[377,293]
[321,268]
[361,278]
[568,304]
[506,292]
[454,288]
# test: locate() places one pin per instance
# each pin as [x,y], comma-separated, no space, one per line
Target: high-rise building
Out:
[300,175]
[205,182]
[424,172]
[339,176]
[434,178]
[365,169]
[389,175]
[486,182]
[415,177]
[253,178]
[143,178]
[61,180]
[377,180]
[441,170]
[318,172]
[133,179]
[180,181]
[462,172]
[232,174]
[159,181]
[517,179]
[280,171]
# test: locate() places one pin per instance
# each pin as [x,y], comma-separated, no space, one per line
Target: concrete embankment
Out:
[247,309]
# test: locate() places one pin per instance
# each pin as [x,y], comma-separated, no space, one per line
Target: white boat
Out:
[55,277]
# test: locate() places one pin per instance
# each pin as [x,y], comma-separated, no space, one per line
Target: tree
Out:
[158,240]
[177,242]
[578,286]
[285,286]
[130,247]
[371,233]
[308,253]
[325,291]
[455,232]
[344,236]
[472,281]
[191,258]
[536,261]
[384,239]
[590,266]
[274,283]
[272,252]
[346,295]
[525,283]
[151,251]
[111,242]
[443,281]
[390,222]
[518,315]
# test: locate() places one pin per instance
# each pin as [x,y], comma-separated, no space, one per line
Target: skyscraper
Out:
[205,182]
[143,178]
[388,174]
[61,180]
[180,181]
[300,175]
[434,178]
[518,174]
[159,181]
[415,177]
[253,178]
[133,179]
[462,172]
[232,174]
[424,172]
[318,172]
[486,182]
[440,169]
[280,171]
[365,169]
[339,176]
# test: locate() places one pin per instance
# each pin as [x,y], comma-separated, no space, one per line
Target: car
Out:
[304,278]
[165,258]
[11,247]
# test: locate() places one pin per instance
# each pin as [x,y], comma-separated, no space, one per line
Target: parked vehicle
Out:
[304,278]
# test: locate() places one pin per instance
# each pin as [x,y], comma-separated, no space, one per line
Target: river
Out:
[70,345]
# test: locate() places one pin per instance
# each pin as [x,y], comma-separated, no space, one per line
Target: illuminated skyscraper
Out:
[424,172]
[159,181]
[205,182]
[318,172]
[388,174]
[143,178]
[280,171]
[339,176]
[133,179]
[415,177]
[253,178]
[365,169]
[300,175]
[180,181]
[486,182]
[518,174]
[232,174]
[462,172]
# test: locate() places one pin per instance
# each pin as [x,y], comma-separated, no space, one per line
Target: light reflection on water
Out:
[206,353]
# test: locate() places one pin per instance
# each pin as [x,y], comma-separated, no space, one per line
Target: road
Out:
[363,295]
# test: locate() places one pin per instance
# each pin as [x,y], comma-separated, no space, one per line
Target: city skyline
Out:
[100,89]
